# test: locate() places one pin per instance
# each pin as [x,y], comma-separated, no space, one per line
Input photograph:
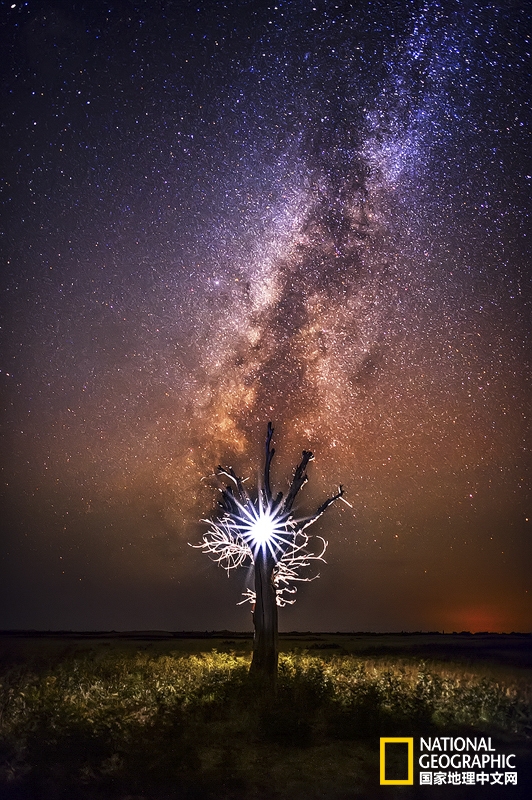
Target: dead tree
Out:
[264,532]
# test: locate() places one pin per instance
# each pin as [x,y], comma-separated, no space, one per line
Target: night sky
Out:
[219,214]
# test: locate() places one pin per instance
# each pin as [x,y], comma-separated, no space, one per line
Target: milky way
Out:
[219,215]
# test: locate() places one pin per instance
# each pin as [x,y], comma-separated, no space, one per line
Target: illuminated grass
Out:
[139,723]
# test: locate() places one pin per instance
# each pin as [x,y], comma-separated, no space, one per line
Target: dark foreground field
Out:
[156,716]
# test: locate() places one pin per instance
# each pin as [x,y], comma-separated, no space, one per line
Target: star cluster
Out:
[216,215]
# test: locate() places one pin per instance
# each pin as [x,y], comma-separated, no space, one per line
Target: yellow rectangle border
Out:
[389,740]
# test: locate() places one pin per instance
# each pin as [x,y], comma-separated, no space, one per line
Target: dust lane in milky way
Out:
[216,216]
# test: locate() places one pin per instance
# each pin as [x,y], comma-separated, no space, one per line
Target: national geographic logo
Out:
[397,761]
[445,761]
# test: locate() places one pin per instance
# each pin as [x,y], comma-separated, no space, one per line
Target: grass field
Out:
[177,718]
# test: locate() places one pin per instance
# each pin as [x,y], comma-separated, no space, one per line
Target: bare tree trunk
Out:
[234,497]
[265,641]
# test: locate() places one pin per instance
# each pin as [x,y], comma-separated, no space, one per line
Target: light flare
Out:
[262,526]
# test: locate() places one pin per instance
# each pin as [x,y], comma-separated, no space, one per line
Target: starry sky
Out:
[219,214]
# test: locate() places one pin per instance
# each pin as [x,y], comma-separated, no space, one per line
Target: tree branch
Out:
[270,452]
[230,473]
[299,480]
[228,502]
[324,506]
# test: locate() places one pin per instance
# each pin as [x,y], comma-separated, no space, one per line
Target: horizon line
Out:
[212,633]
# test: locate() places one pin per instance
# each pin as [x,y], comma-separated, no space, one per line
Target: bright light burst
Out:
[263,526]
